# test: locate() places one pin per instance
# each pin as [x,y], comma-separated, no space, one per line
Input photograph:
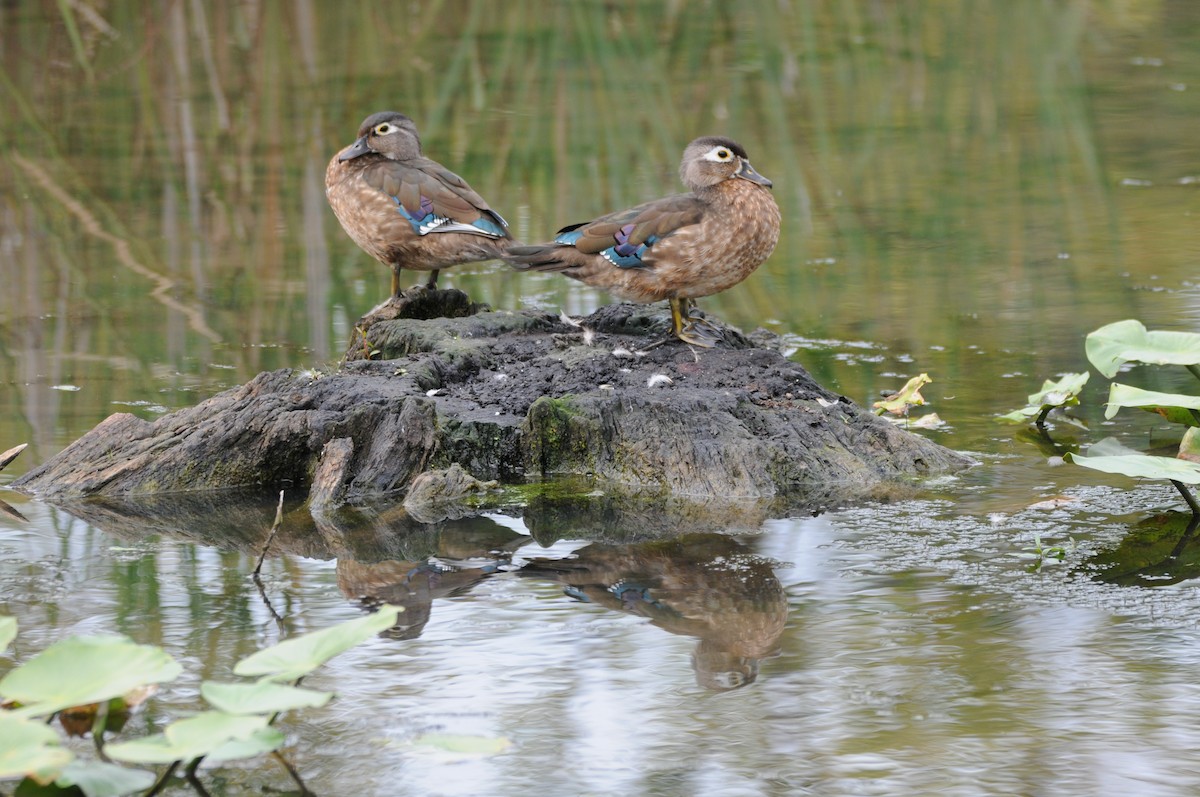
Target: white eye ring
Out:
[383,129]
[719,154]
[723,154]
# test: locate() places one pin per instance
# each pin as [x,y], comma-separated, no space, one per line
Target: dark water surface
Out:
[967,188]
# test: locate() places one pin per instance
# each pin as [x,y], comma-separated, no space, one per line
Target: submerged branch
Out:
[262,591]
[271,535]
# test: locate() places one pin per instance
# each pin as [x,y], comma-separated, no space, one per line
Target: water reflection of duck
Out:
[679,247]
[708,586]
[405,210]
[430,562]
[413,585]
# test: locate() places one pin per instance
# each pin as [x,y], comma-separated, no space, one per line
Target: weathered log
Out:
[512,397]
[329,483]
[11,454]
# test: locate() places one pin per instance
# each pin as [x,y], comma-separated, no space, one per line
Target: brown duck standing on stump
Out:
[676,248]
[405,210]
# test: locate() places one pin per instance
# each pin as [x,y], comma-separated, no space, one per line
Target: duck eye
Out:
[723,154]
[383,129]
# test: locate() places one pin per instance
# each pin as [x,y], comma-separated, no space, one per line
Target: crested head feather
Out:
[708,142]
[394,117]
[709,161]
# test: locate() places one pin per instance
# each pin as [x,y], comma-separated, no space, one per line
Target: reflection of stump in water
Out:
[708,586]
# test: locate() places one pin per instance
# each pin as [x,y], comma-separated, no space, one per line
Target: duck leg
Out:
[420,286]
[689,324]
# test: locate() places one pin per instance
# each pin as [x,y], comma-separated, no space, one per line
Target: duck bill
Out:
[746,172]
[354,150]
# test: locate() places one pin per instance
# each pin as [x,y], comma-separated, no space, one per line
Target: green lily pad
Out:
[1109,456]
[1175,407]
[155,749]
[258,743]
[8,631]
[1062,392]
[261,697]
[301,655]
[98,779]
[1054,394]
[190,738]
[30,749]
[1113,345]
[461,744]
[82,670]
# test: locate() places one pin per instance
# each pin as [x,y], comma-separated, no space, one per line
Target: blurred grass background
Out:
[957,177]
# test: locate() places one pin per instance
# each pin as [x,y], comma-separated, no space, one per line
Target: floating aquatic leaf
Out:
[1139,466]
[909,396]
[462,744]
[930,421]
[1111,346]
[190,738]
[1064,391]
[261,697]
[98,779]
[1175,407]
[82,670]
[258,743]
[1057,502]
[30,749]
[149,750]
[301,655]
[8,631]
[203,728]
[1054,394]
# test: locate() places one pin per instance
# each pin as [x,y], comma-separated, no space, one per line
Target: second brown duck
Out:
[677,248]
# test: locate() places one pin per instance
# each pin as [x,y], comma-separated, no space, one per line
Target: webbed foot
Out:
[689,324]
[701,333]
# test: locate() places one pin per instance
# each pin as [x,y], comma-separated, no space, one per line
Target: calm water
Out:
[968,188]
